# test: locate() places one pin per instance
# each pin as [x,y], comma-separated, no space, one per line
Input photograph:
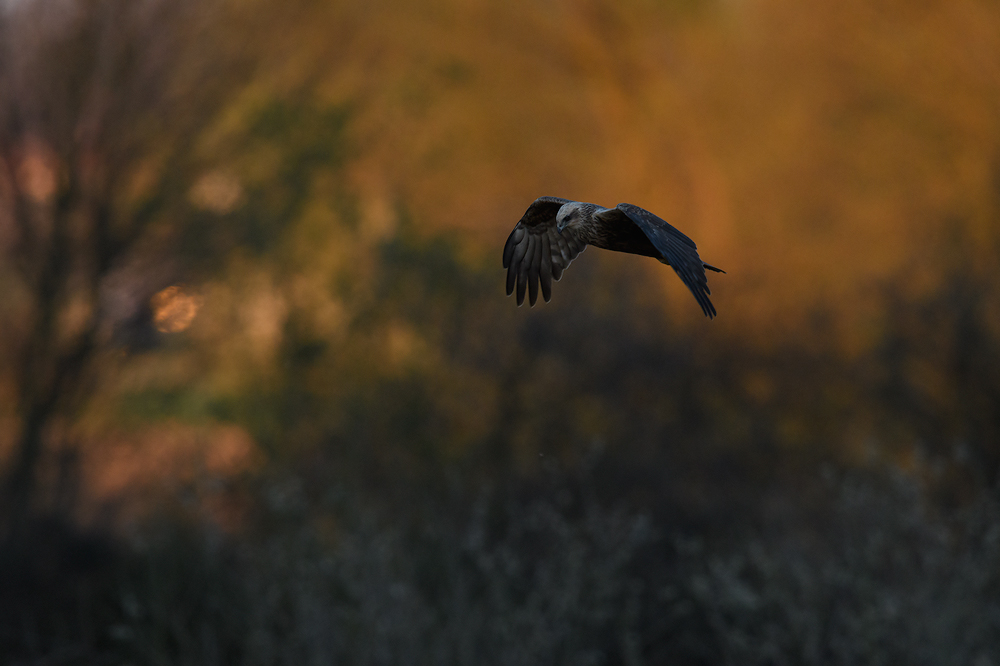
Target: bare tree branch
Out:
[90,95]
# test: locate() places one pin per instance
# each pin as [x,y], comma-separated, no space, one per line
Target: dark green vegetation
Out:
[358,451]
[530,576]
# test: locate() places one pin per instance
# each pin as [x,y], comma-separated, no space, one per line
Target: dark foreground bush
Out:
[877,580]
[509,580]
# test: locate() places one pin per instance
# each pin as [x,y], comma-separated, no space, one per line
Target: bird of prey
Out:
[553,231]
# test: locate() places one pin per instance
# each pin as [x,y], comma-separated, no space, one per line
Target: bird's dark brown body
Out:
[621,238]
[553,231]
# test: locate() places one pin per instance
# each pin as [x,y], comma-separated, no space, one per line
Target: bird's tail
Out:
[712,268]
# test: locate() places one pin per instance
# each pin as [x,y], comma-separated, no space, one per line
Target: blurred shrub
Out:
[522,578]
[880,579]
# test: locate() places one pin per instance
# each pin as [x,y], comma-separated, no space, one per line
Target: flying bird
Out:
[554,231]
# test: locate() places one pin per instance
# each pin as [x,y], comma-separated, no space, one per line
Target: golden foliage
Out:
[815,151]
[174,309]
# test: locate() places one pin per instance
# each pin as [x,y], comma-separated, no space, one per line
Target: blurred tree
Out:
[102,103]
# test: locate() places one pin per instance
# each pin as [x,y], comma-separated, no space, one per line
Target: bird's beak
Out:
[560,226]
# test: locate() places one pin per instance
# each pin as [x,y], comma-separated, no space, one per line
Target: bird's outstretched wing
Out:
[536,253]
[678,250]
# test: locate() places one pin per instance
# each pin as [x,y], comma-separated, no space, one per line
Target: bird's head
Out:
[568,216]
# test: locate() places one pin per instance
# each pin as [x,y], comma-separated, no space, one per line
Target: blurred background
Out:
[263,401]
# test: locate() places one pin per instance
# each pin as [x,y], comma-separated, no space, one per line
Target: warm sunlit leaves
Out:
[217,191]
[174,309]
[819,152]
[809,149]
[162,460]
[814,151]
[37,173]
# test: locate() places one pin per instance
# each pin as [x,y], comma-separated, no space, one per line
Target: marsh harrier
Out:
[553,231]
